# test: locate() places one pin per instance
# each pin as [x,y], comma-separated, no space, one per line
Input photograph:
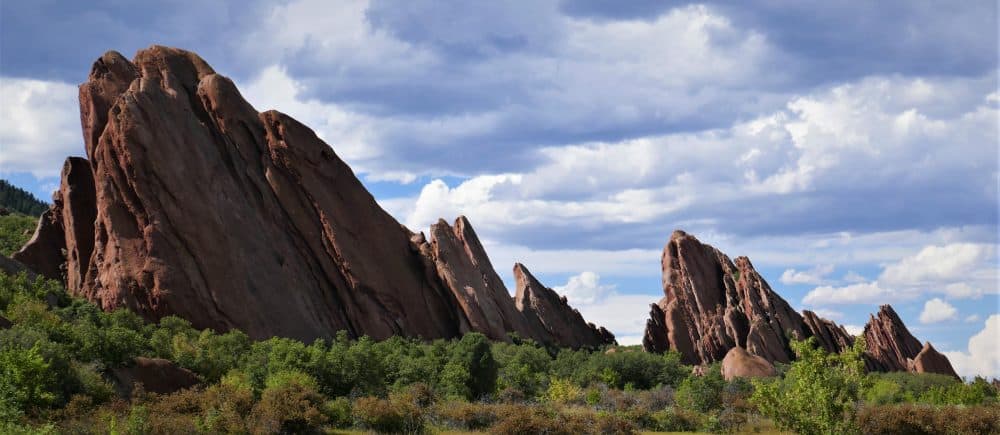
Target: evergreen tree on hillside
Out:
[18,200]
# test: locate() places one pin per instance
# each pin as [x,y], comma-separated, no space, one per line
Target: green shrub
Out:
[676,419]
[701,393]
[289,404]
[467,416]
[338,412]
[562,391]
[386,416]
[26,380]
[818,394]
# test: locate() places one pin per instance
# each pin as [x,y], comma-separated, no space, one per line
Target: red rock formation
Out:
[712,305]
[738,363]
[891,347]
[551,315]
[156,376]
[192,203]
[888,341]
[929,360]
[829,335]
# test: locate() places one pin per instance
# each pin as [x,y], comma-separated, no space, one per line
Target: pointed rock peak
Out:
[929,360]
[548,312]
[680,234]
[113,63]
[182,63]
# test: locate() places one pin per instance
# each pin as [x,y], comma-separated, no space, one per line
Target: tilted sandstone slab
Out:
[550,313]
[193,203]
[712,305]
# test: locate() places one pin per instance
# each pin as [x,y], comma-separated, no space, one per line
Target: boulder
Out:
[4,323]
[155,374]
[10,266]
[738,363]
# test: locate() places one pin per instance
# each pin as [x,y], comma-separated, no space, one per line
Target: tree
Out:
[819,392]
[471,366]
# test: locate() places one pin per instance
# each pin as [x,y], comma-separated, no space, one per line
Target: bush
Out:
[676,420]
[525,419]
[563,392]
[701,393]
[819,392]
[925,419]
[289,404]
[468,416]
[338,412]
[387,416]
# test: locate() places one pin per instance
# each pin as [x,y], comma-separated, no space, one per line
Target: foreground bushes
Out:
[926,419]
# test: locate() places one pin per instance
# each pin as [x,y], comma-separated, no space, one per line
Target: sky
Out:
[849,149]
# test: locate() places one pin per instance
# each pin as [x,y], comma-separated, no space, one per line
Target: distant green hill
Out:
[18,200]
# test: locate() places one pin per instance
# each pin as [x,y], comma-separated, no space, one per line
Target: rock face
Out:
[712,305]
[929,360]
[891,347]
[192,203]
[551,315]
[739,363]
[156,376]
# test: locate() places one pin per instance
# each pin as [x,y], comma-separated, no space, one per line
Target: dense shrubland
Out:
[54,361]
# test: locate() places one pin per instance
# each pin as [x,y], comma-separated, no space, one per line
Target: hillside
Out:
[17,200]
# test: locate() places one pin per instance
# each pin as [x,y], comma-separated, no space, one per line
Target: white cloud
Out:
[39,126]
[937,263]
[961,290]
[982,358]
[866,292]
[972,318]
[815,275]
[853,277]
[854,330]
[828,314]
[585,288]
[936,310]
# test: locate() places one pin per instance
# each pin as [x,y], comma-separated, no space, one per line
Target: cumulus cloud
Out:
[958,270]
[972,318]
[865,292]
[39,126]
[584,289]
[937,310]
[812,276]
[982,358]
[854,330]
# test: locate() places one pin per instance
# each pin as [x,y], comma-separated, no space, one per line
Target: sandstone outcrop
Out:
[929,360]
[712,305]
[156,375]
[891,347]
[192,203]
[551,315]
[738,363]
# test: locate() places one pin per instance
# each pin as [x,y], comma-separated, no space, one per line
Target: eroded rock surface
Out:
[551,315]
[193,203]
[712,305]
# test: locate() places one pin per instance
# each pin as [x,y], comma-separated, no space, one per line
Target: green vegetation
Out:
[17,200]
[54,366]
[15,231]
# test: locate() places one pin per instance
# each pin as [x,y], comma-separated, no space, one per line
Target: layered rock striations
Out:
[891,347]
[192,203]
[712,305]
[547,311]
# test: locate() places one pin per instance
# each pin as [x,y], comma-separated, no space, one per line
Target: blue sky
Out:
[850,149]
